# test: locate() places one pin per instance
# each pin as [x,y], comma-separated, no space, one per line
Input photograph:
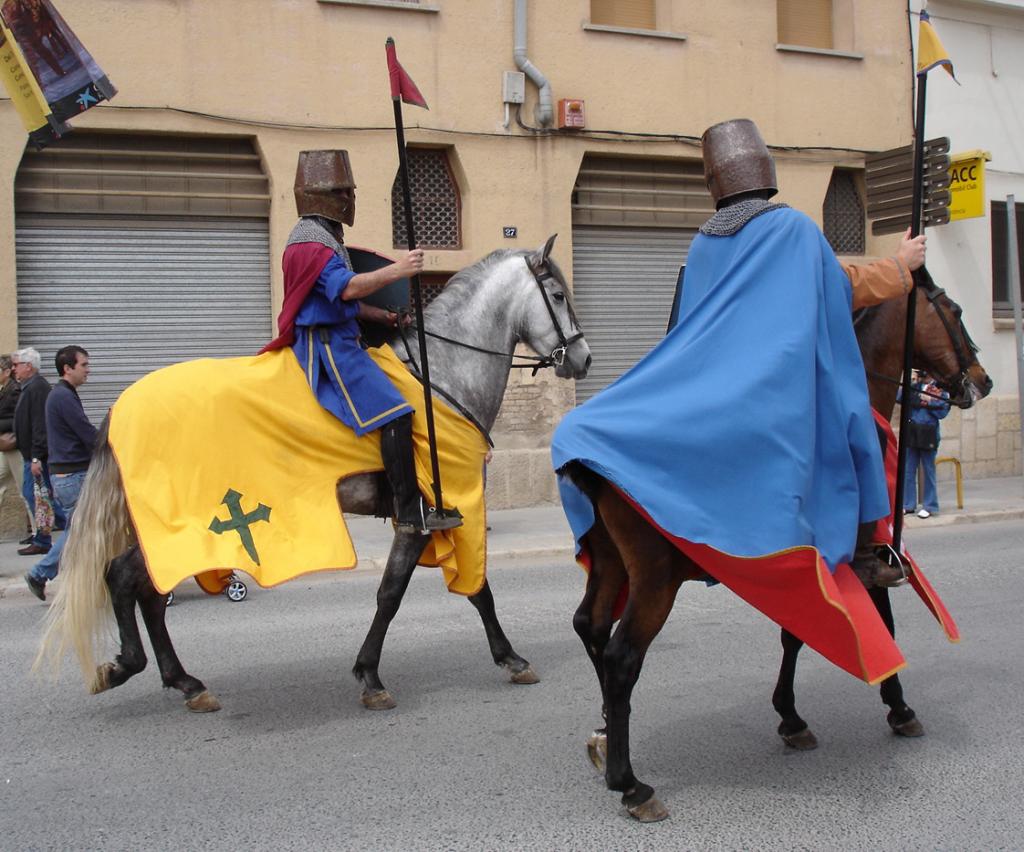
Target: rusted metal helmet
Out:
[736,160]
[320,183]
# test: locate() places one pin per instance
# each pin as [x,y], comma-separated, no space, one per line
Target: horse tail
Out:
[101,530]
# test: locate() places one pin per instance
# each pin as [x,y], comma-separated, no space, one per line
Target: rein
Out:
[893,381]
[538,362]
[541,361]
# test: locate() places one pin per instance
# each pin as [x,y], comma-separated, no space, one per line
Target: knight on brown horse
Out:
[757,398]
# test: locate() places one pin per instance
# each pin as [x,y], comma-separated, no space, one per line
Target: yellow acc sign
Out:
[967,184]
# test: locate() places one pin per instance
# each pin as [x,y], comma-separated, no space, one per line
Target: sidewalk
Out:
[542,531]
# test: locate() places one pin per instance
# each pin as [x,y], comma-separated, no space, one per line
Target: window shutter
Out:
[634,14]
[806,22]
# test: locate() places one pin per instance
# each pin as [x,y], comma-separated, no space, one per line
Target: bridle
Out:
[555,358]
[542,274]
[933,293]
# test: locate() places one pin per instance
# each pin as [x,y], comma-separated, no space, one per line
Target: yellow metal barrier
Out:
[958,474]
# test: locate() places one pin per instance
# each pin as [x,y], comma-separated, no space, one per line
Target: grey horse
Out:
[473,327]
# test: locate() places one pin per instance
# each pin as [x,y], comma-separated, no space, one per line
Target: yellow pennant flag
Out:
[930,51]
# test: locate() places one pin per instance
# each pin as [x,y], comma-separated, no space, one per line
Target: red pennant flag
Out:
[402,85]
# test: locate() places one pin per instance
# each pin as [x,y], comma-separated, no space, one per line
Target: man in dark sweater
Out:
[70,438]
[30,432]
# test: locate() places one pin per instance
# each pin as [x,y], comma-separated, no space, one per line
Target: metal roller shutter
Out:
[145,249]
[140,294]
[633,221]
[623,283]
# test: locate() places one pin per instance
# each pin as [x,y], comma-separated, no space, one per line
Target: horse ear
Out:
[542,253]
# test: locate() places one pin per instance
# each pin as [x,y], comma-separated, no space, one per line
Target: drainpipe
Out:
[543,112]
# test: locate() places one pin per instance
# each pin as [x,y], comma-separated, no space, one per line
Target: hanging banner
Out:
[49,75]
[26,95]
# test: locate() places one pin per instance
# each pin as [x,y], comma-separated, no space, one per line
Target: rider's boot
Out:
[412,514]
[871,570]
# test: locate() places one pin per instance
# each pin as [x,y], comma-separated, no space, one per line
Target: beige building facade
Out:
[196,156]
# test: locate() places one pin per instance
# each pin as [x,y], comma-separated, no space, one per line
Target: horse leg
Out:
[645,614]
[656,571]
[501,649]
[153,604]
[901,718]
[122,579]
[792,728]
[405,550]
[594,618]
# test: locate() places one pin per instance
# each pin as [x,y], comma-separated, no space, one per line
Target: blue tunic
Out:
[344,378]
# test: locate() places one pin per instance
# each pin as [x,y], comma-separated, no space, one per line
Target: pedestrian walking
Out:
[11,467]
[70,439]
[30,434]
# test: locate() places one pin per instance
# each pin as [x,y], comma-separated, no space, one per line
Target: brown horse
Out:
[625,550]
[943,347]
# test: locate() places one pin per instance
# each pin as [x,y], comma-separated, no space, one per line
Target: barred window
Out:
[431,285]
[631,14]
[807,23]
[436,207]
[843,214]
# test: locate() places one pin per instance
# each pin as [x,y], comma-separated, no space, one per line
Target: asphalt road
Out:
[469,761]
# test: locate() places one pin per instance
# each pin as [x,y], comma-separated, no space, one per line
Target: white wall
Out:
[985,40]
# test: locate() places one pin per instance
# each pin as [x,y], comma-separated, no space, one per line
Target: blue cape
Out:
[748,428]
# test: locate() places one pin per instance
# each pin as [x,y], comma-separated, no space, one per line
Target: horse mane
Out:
[922,278]
[472,275]
[469,278]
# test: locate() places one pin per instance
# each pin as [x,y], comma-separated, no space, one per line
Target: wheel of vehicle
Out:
[236,591]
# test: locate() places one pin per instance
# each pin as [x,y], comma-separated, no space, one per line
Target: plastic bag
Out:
[44,505]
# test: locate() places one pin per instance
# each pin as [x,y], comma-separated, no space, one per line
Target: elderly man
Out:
[10,459]
[30,431]
[70,439]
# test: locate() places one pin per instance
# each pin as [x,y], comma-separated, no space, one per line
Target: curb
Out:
[14,586]
[967,518]
[378,563]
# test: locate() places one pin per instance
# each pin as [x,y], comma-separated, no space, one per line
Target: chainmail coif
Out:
[729,220]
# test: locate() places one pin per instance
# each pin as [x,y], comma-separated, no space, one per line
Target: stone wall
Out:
[520,473]
[986,439]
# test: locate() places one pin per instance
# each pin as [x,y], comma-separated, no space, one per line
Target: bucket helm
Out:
[736,160]
[324,186]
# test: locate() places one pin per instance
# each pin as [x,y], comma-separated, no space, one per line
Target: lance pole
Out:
[417,301]
[908,336]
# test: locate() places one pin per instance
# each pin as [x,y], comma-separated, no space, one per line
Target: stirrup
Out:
[430,520]
[888,556]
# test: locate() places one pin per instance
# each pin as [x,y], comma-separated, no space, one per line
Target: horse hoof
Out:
[801,741]
[381,700]
[526,676]
[101,683]
[204,702]
[597,749]
[650,811]
[911,728]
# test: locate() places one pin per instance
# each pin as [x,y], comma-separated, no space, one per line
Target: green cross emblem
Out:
[241,521]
